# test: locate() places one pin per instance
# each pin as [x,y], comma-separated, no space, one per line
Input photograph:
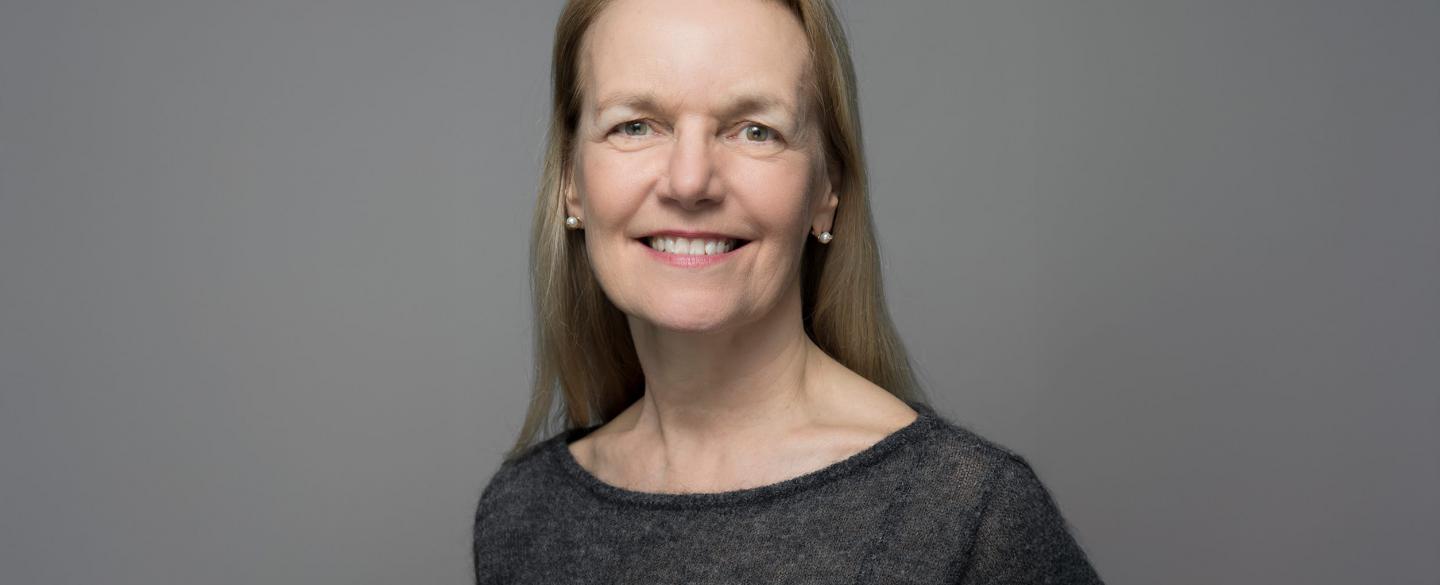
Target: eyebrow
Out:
[741,104]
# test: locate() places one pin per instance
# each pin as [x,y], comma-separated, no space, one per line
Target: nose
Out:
[691,178]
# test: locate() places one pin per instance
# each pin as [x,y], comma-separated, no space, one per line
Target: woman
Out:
[738,408]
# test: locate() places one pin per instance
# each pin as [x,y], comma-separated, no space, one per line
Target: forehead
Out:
[699,53]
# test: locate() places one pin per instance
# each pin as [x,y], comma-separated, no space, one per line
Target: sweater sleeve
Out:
[1021,537]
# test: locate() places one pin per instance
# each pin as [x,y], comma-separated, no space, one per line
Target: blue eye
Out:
[635,128]
[757,133]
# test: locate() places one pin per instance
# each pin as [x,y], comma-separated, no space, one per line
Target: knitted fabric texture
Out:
[931,503]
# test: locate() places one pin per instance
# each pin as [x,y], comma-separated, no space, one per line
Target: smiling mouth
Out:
[692,246]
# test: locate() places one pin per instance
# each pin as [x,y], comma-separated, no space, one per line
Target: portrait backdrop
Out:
[264,313]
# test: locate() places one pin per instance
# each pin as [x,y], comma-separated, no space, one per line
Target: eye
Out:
[757,133]
[633,128]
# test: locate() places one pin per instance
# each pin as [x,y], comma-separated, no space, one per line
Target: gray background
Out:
[263,310]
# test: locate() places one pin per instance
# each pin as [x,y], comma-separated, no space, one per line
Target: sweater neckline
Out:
[560,452]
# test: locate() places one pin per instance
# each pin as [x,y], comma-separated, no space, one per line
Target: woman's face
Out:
[695,136]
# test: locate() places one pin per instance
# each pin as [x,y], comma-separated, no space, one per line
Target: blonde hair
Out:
[583,351]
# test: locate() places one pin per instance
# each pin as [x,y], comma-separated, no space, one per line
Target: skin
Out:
[695,117]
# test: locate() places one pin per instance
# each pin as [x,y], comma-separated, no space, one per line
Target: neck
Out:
[710,388]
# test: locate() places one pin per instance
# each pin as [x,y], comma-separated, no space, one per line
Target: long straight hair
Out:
[584,356]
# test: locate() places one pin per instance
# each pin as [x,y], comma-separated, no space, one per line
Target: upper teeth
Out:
[695,247]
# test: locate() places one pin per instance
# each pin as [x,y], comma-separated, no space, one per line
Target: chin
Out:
[687,319]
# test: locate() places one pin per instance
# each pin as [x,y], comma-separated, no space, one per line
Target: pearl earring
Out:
[825,237]
[572,222]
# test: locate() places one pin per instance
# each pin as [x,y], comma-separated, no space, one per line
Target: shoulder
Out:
[953,444]
[521,475]
[1007,522]
[969,469]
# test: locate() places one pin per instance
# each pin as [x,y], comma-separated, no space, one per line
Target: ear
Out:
[823,214]
[570,193]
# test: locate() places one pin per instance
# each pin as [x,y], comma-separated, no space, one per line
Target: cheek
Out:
[780,196]
[610,188]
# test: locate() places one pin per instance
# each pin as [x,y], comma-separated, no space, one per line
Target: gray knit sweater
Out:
[931,503]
